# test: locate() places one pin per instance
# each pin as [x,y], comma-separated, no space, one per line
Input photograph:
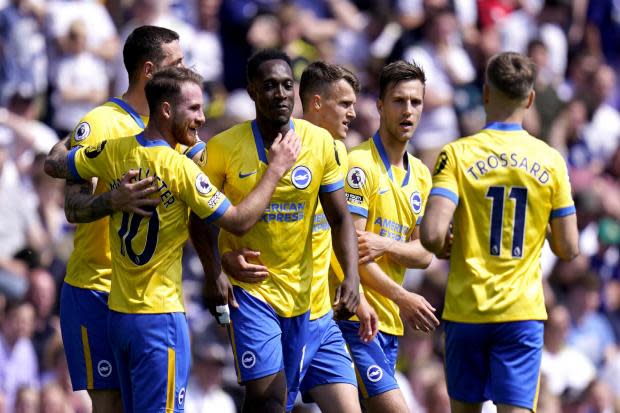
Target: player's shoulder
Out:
[361,152]
[418,167]
[310,133]
[98,120]
[232,135]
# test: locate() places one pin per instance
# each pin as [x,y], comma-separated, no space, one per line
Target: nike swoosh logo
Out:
[383,191]
[242,175]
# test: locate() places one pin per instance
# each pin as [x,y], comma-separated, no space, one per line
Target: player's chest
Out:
[396,208]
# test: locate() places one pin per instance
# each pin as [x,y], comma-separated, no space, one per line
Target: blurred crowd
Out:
[59,59]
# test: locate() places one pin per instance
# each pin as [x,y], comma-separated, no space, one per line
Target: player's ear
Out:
[148,69]
[316,102]
[166,110]
[251,91]
[530,99]
[380,106]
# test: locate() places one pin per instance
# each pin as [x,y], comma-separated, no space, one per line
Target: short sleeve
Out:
[360,185]
[197,191]
[445,176]
[88,162]
[214,165]
[562,202]
[332,176]
[89,131]
[426,183]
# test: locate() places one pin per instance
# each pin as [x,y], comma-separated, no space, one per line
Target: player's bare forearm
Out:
[436,224]
[81,205]
[410,254]
[56,164]
[204,238]
[373,277]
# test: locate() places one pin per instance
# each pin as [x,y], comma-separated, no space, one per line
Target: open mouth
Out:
[406,124]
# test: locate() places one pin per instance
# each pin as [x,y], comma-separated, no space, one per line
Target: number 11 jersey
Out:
[507,186]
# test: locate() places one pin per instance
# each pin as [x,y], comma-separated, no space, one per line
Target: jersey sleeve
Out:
[198,192]
[426,183]
[445,175]
[90,130]
[332,176]
[89,162]
[360,185]
[214,165]
[562,202]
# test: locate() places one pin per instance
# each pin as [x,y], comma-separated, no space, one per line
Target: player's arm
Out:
[564,237]
[55,164]
[343,240]
[239,219]
[81,205]
[410,254]
[413,307]
[435,229]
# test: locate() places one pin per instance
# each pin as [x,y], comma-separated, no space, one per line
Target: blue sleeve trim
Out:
[71,164]
[419,220]
[562,212]
[217,214]
[195,149]
[332,187]
[358,211]
[446,193]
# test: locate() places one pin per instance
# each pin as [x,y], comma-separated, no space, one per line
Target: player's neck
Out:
[269,130]
[137,99]
[394,148]
[154,131]
[504,115]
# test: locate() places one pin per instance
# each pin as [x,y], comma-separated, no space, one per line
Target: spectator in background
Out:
[27,400]
[23,61]
[204,391]
[590,332]
[81,81]
[18,361]
[447,66]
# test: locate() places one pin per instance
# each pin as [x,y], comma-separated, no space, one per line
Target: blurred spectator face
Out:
[442,28]
[27,400]
[539,54]
[337,108]
[19,323]
[208,12]
[264,32]
[42,292]
[582,71]
[577,116]
[273,91]
[556,328]
[77,37]
[401,108]
[604,83]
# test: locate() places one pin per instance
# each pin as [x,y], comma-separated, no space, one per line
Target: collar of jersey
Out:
[386,161]
[503,126]
[130,111]
[258,140]
[142,140]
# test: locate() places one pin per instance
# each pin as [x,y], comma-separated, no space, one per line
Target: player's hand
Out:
[284,152]
[418,312]
[371,245]
[218,292]
[135,197]
[447,245]
[237,264]
[347,298]
[369,321]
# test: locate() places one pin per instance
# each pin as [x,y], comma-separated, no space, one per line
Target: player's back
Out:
[89,265]
[507,185]
[146,251]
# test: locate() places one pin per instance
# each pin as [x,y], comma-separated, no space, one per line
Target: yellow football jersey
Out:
[507,186]
[392,200]
[146,251]
[236,160]
[323,256]
[89,265]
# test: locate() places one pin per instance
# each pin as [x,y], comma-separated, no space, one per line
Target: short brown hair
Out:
[318,75]
[511,73]
[399,71]
[166,85]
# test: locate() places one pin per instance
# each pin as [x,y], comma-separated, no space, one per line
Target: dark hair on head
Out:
[319,75]
[145,44]
[261,57]
[399,71]
[166,85]
[511,73]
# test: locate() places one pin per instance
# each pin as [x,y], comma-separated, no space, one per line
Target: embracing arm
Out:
[56,164]
[410,254]
[435,228]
